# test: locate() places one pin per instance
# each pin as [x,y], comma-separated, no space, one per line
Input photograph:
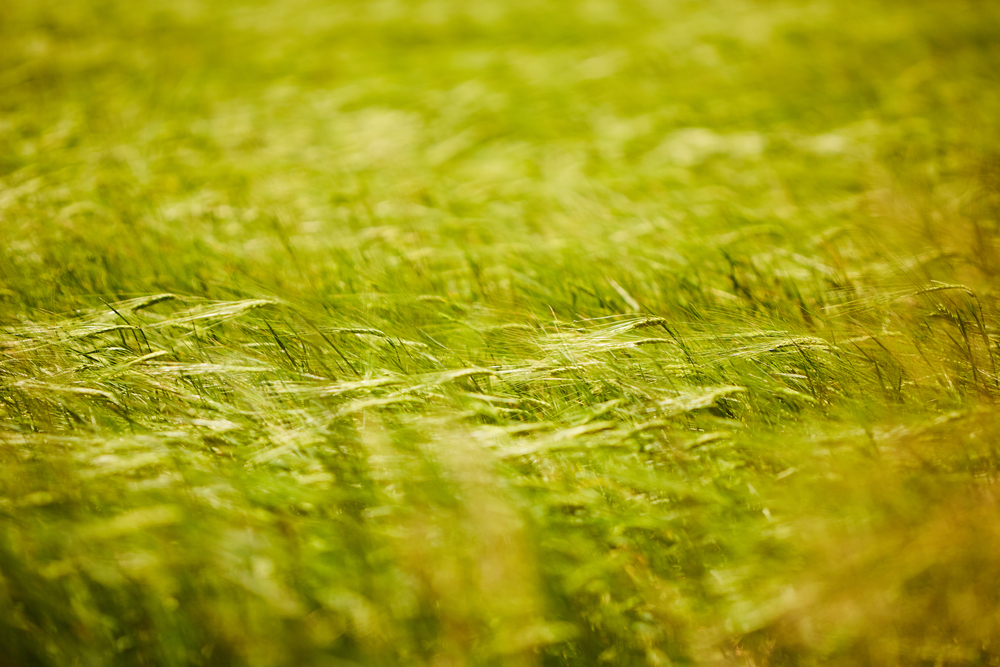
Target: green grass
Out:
[499,332]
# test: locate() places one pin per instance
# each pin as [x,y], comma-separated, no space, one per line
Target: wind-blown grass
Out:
[499,333]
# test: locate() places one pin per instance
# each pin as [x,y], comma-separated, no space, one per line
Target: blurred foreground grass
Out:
[520,333]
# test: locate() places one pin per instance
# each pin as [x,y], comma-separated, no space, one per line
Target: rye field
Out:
[446,333]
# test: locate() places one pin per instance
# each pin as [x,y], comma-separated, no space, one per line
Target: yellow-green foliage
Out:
[625,332]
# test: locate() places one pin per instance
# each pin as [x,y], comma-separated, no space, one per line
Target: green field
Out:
[499,332]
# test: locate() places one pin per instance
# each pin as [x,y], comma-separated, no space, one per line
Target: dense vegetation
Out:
[499,332]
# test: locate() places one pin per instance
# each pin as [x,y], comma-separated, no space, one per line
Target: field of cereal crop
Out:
[497,332]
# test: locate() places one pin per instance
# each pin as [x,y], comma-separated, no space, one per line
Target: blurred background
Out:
[184,144]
